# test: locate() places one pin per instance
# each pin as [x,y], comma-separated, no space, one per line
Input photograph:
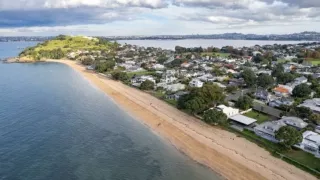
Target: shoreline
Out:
[228,155]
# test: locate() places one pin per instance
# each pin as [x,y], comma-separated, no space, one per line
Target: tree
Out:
[118,75]
[301,91]
[105,66]
[231,89]
[265,80]
[303,112]
[315,118]
[249,77]
[244,102]
[200,99]
[213,116]
[162,59]
[258,58]
[288,136]
[285,78]
[277,70]
[147,85]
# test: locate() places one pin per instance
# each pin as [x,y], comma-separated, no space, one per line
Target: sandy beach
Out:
[231,156]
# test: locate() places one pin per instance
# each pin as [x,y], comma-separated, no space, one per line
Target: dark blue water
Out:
[55,125]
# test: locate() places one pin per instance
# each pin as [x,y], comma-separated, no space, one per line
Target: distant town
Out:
[303,36]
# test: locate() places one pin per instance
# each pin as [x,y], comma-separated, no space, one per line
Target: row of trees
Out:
[200,99]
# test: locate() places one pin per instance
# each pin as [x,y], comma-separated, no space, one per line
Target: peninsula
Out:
[212,104]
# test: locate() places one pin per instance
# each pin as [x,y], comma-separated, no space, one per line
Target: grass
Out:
[72,43]
[172,102]
[282,60]
[131,74]
[304,158]
[260,117]
[224,55]
[314,62]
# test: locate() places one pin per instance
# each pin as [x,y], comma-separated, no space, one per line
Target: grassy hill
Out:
[60,46]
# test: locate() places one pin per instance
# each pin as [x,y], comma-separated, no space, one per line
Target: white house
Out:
[136,81]
[175,87]
[229,111]
[196,83]
[158,67]
[310,143]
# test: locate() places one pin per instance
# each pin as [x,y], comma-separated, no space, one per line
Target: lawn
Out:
[260,117]
[304,158]
[314,62]
[282,60]
[224,55]
[131,74]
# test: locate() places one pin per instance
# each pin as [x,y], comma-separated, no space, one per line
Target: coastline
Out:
[220,150]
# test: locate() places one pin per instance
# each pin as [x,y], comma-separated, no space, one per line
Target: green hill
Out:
[60,46]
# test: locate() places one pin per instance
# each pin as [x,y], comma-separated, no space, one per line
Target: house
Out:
[268,129]
[137,80]
[185,65]
[175,87]
[300,80]
[313,104]
[196,83]
[310,143]
[158,67]
[294,122]
[177,95]
[229,111]
[220,85]
[242,121]
[262,94]
[317,129]
[168,79]
[281,101]
[283,90]
[236,82]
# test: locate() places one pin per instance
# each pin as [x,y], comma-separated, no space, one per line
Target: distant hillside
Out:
[60,46]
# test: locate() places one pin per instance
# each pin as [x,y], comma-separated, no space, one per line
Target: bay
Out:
[54,124]
[219,43]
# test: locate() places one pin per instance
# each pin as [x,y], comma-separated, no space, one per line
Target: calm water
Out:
[170,44]
[55,125]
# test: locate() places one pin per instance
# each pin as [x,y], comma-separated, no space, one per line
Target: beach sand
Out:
[231,156]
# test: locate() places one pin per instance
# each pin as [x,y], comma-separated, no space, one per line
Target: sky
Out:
[156,17]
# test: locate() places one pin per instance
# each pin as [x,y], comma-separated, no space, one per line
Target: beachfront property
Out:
[242,121]
[268,129]
[310,143]
[137,80]
[229,111]
[176,96]
[313,104]
[295,122]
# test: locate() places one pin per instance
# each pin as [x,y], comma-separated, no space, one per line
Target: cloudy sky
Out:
[157,17]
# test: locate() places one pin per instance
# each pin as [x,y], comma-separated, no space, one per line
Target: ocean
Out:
[55,125]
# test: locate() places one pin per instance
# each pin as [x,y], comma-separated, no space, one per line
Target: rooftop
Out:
[243,119]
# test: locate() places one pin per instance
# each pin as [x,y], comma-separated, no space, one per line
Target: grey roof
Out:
[270,127]
[313,104]
[243,119]
[294,121]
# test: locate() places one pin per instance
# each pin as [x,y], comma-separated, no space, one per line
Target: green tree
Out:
[121,76]
[288,136]
[200,99]
[161,59]
[303,112]
[315,118]
[213,116]
[285,78]
[277,70]
[249,77]
[147,85]
[244,102]
[265,80]
[105,66]
[301,91]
